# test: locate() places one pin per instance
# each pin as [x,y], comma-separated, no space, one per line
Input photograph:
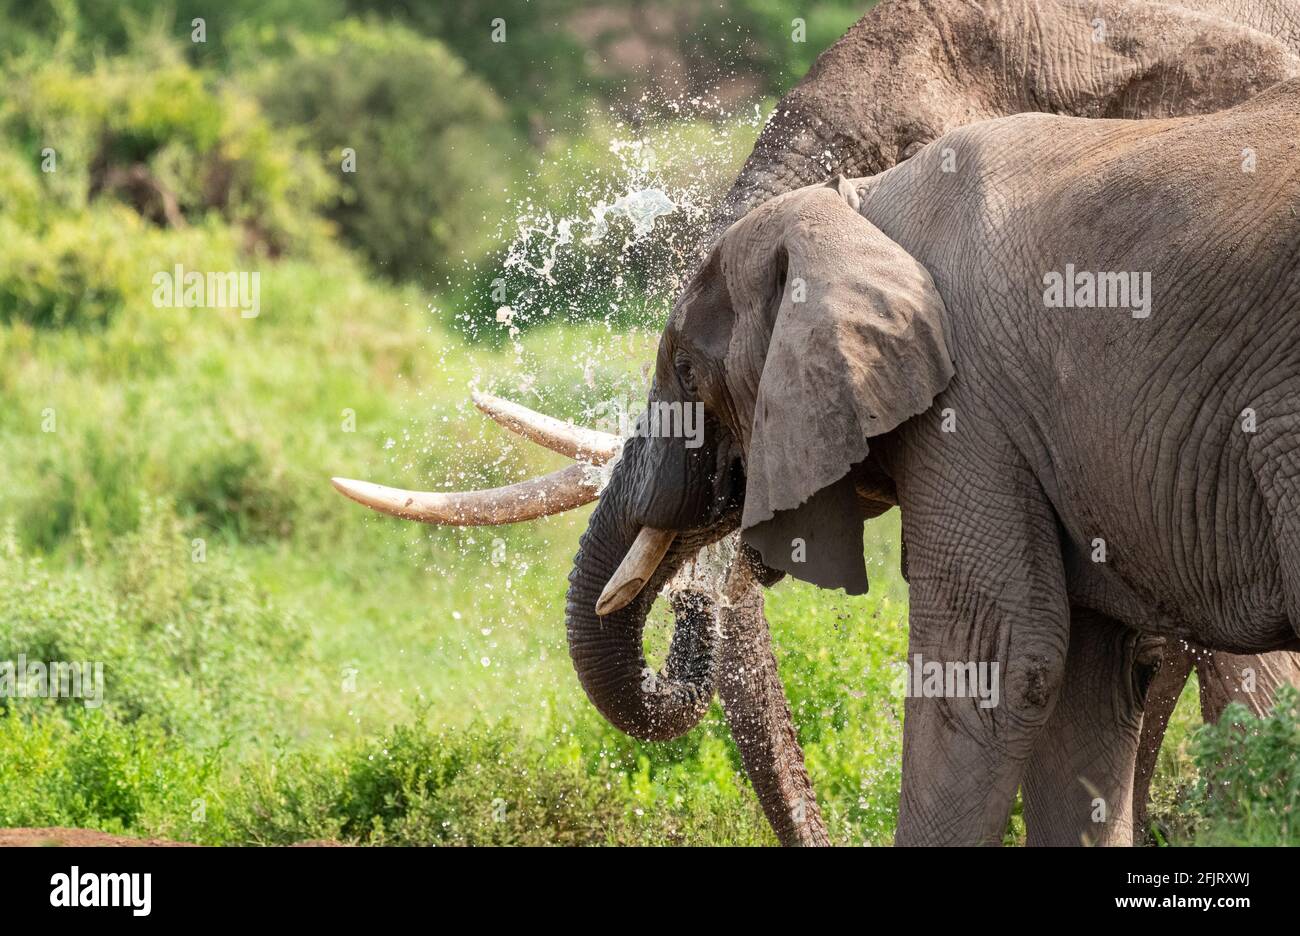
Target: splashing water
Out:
[640,208]
[606,257]
[615,253]
[707,572]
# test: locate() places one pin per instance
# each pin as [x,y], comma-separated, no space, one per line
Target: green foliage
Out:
[73,273]
[1171,818]
[1249,787]
[169,141]
[538,71]
[183,636]
[757,37]
[90,28]
[419,787]
[93,770]
[20,190]
[430,146]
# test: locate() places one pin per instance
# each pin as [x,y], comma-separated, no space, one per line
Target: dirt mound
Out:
[39,838]
[10,838]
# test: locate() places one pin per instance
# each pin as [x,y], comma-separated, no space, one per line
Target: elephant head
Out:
[806,334]
[908,72]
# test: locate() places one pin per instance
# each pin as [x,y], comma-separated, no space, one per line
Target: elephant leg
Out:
[758,714]
[987,599]
[1252,679]
[1078,789]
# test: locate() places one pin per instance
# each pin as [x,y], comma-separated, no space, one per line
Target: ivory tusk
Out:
[538,497]
[635,570]
[549,432]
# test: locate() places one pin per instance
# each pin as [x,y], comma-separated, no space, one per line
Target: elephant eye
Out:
[686,374]
[910,150]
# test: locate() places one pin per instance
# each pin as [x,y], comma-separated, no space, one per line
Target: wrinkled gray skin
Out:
[900,77]
[907,72]
[1011,435]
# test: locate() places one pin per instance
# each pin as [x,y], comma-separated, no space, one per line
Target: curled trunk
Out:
[607,651]
[723,645]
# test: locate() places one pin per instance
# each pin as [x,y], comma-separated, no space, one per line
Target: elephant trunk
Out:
[607,650]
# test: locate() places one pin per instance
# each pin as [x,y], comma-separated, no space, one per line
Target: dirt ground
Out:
[10,838]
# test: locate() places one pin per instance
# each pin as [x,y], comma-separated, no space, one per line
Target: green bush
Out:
[233,484]
[167,140]
[91,28]
[539,71]
[21,197]
[416,786]
[184,637]
[431,148]
[413,785]
[1249,787]
[92,770]
[83,270]
[77,272]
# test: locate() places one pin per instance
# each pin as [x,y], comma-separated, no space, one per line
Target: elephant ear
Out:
[858,346]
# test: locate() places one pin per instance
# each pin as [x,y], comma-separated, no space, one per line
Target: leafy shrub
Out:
[184,637]
[82,270]
[1249,787]
[168,141]
[20,190]
[429,141]
[92,770]
[538,72]
[75,273]
[112,27]
[414,786]
[420,787]
[48,618]
[233,484]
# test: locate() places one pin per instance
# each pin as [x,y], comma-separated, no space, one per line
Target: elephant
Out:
[889,339]
[910,71]
[905,74]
